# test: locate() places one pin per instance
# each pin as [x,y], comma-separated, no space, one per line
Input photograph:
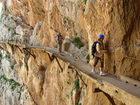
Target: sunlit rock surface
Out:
[39,79]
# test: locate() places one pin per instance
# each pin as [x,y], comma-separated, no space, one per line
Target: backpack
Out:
[94,48]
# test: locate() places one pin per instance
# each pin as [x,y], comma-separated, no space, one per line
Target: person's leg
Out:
[102,67]
[60,47]
[102,64]
[94,64]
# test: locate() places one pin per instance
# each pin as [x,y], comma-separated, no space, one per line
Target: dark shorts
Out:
[96,59]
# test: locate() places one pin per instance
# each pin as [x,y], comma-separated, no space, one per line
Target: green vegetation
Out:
[85,1]
[77,42]
[26,66]
[72,71]
[88,57]
[15,33]
[81,76]
[2,16]
[87,47]
[8,57]
[15,20]
[19,92]
[13,84]
[76,86]
[12,67]
[52,58]
[8,28]
[72,91]
[0,55]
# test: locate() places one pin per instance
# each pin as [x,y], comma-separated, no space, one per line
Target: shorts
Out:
[96,59]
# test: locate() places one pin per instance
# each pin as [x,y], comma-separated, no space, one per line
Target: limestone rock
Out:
[38,23]
[36,34]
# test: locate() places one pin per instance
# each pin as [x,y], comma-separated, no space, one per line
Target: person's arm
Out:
[62,37]
[57,38]
[99,49]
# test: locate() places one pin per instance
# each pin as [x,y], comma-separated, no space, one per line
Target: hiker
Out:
[98,54]
[59,40]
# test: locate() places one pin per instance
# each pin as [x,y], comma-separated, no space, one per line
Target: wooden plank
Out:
[126,93]
[130,80]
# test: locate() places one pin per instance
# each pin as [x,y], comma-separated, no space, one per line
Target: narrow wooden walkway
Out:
[126,93]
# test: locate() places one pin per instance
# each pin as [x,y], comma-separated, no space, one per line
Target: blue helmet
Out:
[101,36]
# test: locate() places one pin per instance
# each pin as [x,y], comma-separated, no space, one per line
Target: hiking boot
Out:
[102,73]
[93,71]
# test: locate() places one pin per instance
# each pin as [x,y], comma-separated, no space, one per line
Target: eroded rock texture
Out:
[37,22]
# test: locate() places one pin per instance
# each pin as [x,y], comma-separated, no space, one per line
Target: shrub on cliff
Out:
[77,42]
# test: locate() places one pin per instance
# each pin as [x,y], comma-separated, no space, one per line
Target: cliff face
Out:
[119,21]
[39,80]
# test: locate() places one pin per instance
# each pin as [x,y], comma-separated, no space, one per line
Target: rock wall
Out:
[119,22]
[37,22]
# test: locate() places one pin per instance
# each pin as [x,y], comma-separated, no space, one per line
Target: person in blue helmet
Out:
[98,54]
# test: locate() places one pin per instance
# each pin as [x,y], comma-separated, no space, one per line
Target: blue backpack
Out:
[94,48]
